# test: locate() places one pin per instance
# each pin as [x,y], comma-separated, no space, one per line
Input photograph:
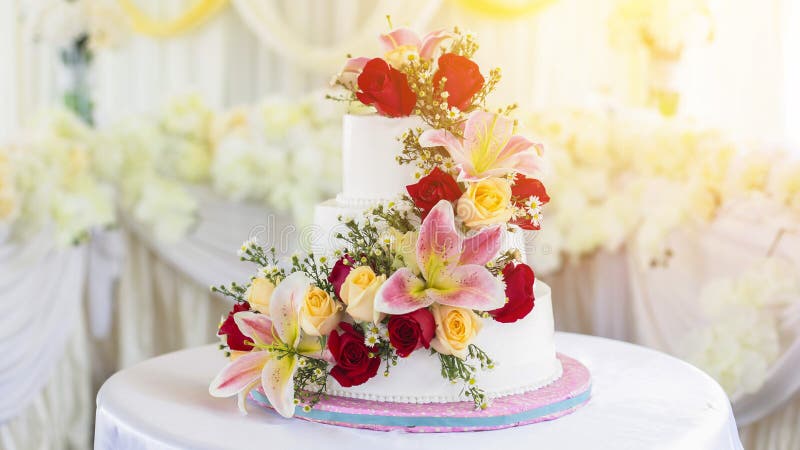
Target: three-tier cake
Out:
[415,309]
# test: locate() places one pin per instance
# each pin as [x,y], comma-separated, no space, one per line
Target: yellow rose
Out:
[455,329]
[358,293]
[320,313]
[259,293]
[405,245]
[486,202]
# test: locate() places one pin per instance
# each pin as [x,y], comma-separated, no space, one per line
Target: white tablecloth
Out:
[641,400]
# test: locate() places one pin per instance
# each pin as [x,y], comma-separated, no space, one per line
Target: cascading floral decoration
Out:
[422,272]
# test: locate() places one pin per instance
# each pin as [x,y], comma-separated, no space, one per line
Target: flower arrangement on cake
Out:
[413,283]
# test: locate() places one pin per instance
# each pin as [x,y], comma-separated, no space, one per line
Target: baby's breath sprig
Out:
[363,243]
[475,352]
[463,44]
[348,97]
[488,87]
[311,380]
[508,109]
[254,253]
[424,158]
[235,291]
[395,217]
[457,370]
[431,103]
[316,269]
[267,260]
[496,266]
[387,354]
[377,337]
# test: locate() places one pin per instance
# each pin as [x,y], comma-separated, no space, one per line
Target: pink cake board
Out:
[568,393]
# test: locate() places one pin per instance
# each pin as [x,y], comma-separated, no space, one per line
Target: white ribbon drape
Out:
[265,20]
[41,288]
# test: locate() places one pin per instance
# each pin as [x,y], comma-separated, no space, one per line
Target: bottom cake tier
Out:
[563,396]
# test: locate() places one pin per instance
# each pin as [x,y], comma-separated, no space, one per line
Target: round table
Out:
[641,399]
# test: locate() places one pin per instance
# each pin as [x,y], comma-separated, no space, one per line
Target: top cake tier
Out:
[370,171]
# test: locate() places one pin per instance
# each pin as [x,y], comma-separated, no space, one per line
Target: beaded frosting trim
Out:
[445,398]
[359,202]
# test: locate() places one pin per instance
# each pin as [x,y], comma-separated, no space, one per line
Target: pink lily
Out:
[452,269]
[403,40]
[277,344]
[348,76]
[489,148]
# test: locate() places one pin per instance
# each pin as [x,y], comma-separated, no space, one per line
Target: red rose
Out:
[437,185]
[519,280]
[464,79]
[339,273]
[408,332]
[386,89]
[233,335]
[353,363]
[521,192]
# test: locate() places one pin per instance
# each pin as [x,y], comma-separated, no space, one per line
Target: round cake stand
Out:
[557,399]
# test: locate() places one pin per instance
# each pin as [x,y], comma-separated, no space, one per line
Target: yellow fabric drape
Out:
[195,15]
[505,9]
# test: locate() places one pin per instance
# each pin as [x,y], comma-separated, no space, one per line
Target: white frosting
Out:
[369,148]
[523,351]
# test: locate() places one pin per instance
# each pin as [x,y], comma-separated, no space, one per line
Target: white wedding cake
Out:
[524,350]
[415,308]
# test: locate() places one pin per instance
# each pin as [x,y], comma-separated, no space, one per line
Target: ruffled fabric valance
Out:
[194,16]
[265,20]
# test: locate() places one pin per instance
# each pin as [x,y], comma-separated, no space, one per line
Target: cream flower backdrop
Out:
[571,60]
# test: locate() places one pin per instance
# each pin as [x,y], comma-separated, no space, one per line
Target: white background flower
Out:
[741,337]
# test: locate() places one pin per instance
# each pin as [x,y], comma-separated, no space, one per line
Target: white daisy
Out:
[536,218]
[250,243]
[453,113]
[533,205]
[383,331]
[371,340]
